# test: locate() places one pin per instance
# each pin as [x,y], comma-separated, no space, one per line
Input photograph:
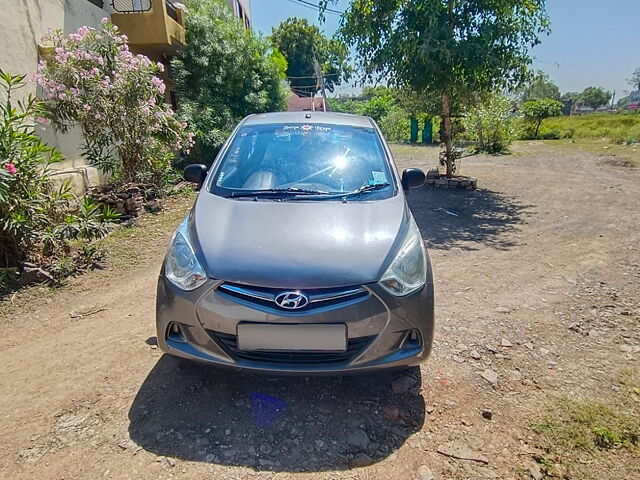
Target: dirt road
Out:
[538,304]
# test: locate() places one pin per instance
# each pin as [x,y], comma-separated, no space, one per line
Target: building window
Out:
[98,3]
[131,6]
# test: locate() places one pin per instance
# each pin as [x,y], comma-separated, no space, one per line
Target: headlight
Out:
[181,265]
[408,271]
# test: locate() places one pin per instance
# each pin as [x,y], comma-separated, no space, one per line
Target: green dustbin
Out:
[427,132]
[414,130]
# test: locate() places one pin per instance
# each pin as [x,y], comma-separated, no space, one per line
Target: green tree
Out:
[345,106]
[535,111]
[634,81]
[369,92]
[540,87]
[450,48]
[594,97]
[302,44]
[224,73]
[573,96]
[422,103]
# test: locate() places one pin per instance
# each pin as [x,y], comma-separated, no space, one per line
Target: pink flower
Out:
[44,121]
[159,84]
[160,66]
[11,168]
[104,20]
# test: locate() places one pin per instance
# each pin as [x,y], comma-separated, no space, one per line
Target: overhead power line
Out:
[318,7]
[314,76]
[314,6]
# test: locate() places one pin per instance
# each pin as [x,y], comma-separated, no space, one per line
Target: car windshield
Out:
[303,159]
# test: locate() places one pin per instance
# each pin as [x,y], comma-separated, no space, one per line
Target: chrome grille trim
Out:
[247,291]
[318,298]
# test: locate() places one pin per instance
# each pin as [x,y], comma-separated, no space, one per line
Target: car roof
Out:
[332,118]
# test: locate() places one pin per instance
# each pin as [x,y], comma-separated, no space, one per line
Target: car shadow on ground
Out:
[467,219]
[278,423]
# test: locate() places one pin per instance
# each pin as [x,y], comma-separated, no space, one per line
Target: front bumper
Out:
[378,326]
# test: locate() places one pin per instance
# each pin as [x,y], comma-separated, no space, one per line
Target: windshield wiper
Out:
[367,188]
[344,195]
[271,192]
[292,192]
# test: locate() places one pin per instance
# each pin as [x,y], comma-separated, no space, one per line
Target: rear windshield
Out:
[314,157]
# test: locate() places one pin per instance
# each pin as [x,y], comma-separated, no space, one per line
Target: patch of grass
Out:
[576,433]
[617,128]
[588,426]
[131,246]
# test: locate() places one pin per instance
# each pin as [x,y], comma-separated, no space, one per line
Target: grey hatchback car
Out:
[300,254]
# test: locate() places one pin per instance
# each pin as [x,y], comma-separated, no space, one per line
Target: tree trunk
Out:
[480,136]
[537,128]
[446,118]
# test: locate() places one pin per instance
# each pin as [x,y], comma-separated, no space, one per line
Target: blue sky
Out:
[593,42]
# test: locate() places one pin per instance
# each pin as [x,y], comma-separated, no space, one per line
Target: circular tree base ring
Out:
[468,183]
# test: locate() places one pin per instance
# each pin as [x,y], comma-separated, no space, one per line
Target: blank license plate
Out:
[298,337]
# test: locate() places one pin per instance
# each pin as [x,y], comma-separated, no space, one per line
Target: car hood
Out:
[297,244]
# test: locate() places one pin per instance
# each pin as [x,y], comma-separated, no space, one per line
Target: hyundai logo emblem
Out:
[292,300]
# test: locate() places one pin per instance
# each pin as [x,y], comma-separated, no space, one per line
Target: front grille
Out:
[319,298]
[230,344]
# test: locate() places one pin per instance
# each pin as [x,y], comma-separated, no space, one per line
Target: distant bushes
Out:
[491,125]
[395,125]
[384,106]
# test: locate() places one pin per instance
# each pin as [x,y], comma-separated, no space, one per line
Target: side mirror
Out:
[412,178]
[195,173]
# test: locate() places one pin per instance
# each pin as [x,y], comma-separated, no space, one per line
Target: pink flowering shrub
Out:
[38,223]
[29,208]
[94,81]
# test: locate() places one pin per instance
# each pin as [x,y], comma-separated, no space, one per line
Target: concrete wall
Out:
[24,22]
